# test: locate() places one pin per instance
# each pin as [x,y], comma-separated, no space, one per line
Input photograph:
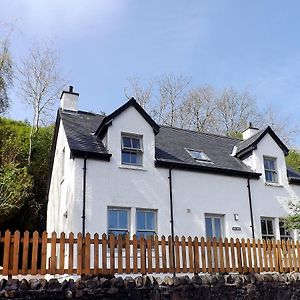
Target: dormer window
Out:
[198,155]
[271,175]
[132,150]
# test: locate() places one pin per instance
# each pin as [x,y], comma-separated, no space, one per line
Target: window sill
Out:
[129,167]
[273,184]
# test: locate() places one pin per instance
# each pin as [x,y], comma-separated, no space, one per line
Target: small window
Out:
[118,221]
[270,170]
[145,223]
[267,228]
[213,226]
[284,234]
[198,155]
[132,152]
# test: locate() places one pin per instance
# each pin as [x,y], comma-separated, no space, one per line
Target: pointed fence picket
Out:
[34,253]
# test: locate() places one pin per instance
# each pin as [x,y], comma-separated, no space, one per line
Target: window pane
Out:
[272,165]
[126,142]
[123,222]
[133,158]
[125,157]
[140,220]
[217,227]
[136,143]
[113,219]
[139,158]
[263,227]
[270,226]
[208,227]
[145,234]
[150,220]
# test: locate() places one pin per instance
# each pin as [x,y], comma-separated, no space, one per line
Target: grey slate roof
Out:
[170,145]
[80,128]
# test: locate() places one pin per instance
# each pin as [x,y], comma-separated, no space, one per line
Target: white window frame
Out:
[287,234]
[138,152]
[267,235]
[117,208]
[155,220]
[213,217]
[273,172]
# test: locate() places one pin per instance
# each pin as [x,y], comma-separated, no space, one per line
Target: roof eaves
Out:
[94,155]
[294,180]
[206,169]
[260,136]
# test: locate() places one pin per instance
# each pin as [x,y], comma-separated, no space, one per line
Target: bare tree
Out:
[142,94]
[172,89]
[235,110]
[197,112]
[280,123]
[6,73]
[40,83]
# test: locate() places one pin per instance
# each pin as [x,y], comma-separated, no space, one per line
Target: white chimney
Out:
[69,100]
[250,131]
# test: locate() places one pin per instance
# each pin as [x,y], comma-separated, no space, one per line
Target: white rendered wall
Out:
[61,192]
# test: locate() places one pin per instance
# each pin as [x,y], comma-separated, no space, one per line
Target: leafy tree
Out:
[293,160]
[15,186]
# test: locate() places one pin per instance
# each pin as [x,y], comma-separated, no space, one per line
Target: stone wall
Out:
[267,286]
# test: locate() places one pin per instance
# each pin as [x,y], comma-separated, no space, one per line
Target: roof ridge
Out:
[202,132]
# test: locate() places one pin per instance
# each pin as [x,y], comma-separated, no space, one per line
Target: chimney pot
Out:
[71,89]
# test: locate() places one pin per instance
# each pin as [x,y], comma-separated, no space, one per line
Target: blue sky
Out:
[244,44]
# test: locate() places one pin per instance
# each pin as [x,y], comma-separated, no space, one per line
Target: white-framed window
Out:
[270,169]
[146,220]
[198,155]
[132,150]
[284,233]
[118,220]
[214,225]
[267,228]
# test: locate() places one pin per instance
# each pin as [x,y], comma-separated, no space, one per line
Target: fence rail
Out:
[49,254]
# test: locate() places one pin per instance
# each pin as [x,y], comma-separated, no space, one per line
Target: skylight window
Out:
[198,155]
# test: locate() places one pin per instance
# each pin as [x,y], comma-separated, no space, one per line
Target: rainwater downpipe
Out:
[172,218]
[84,197]
[250,206]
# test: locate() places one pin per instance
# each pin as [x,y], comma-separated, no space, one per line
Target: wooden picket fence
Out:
[42,254]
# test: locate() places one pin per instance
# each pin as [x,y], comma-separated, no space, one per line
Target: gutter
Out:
[250,206]
[205,169]
[172,218]
[84,196]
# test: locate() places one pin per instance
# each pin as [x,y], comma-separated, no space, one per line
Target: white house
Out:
[125,173]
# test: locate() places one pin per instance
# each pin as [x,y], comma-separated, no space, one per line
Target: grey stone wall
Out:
[267,286]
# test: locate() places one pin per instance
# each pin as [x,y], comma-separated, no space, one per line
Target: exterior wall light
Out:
[236,217]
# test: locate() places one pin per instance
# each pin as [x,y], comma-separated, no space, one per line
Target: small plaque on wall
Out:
[237,228]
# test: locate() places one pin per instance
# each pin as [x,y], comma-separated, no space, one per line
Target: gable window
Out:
[132,151]
[198,155]
[270,169]
[118,221]
[145,222]
[213,225]
[284,234]
[267,228]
